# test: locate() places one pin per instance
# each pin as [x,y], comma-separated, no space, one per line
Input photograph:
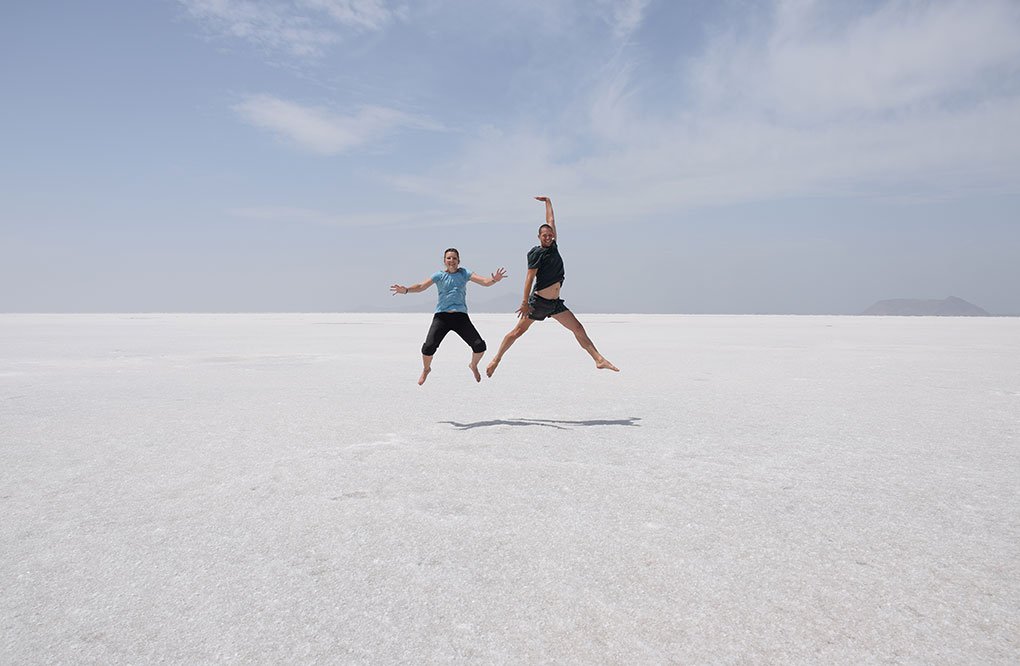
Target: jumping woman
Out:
[451,310]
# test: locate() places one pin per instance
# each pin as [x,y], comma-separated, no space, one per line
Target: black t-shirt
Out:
[549,264]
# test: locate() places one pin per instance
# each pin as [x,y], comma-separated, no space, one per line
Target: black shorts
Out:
[544,307]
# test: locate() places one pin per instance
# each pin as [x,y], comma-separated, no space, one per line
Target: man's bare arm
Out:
[529,280]
[550,219]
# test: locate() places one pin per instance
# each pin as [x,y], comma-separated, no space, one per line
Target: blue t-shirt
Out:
[452,290]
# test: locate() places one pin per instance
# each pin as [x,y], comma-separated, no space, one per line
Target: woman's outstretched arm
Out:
[421,286]
[489,281]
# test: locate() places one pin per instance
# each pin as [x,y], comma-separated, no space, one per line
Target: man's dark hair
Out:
[549,226]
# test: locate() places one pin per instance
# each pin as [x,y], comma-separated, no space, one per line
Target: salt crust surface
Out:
[277,489]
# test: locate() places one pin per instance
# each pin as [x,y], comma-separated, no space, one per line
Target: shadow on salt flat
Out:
[546,423]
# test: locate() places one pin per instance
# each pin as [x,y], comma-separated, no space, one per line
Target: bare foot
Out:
[474,371]
[606,365]
[424,376]
[491,368]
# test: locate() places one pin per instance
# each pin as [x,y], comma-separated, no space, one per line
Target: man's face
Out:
[546,236]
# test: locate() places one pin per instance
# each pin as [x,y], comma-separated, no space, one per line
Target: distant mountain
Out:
[947,307]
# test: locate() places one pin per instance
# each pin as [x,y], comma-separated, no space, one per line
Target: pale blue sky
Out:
[303,155]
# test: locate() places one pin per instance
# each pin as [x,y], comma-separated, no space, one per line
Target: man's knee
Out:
[478,346]
[429,349]
[518,331]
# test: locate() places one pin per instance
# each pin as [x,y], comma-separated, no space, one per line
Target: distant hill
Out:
[947,307]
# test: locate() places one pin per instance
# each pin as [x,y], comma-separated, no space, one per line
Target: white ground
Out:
[277,489]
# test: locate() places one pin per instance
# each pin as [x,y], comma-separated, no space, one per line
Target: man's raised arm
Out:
[549,218]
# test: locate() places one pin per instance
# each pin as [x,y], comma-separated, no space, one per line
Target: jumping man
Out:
[545,273]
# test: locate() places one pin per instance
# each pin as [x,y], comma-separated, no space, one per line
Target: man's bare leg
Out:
[475,358]
[570,321]
[426,362]
[517,331]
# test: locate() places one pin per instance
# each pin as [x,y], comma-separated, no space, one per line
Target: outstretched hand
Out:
[543,199]
[499,275]
[398,289]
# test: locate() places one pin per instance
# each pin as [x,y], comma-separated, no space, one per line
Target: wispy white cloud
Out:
[625,16]
[488,177]
[366,14]
[298,215]
[911,99]
[322,131]
[302,28]
[812,66]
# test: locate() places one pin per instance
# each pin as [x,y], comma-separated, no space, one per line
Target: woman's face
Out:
[452,262]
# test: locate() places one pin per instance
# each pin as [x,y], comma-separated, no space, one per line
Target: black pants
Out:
[459,322]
